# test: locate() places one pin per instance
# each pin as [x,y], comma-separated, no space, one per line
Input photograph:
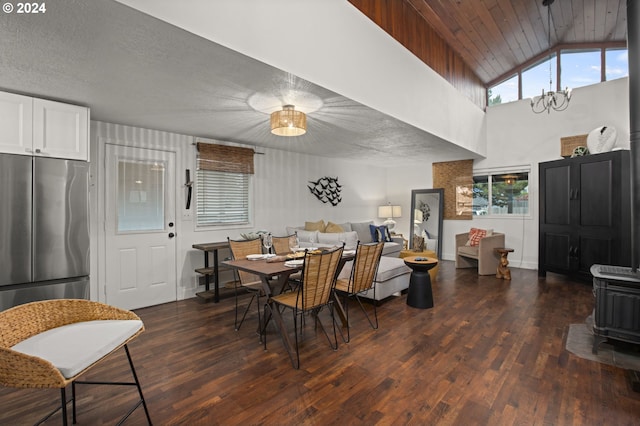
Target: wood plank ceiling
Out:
[496,36]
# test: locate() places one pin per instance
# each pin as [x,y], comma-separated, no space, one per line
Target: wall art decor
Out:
[326,189]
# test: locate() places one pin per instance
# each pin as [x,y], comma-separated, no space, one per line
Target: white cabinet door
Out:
[60,130]
[16,112]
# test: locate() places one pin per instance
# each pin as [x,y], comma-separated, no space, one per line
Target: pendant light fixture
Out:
[288,122]
[558,101]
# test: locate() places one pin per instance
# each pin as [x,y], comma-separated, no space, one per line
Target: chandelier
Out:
[558,101]
[288,122]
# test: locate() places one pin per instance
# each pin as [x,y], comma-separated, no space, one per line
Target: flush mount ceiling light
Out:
[288,122]
[558,101]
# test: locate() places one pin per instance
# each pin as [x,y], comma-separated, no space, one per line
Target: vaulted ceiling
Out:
[495,36]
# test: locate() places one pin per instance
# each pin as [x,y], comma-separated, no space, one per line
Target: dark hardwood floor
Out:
[491,352]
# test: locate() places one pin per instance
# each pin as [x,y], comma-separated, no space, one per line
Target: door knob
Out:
[170,224]
[171,235]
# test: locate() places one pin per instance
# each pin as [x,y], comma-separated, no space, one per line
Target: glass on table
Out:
[267,242]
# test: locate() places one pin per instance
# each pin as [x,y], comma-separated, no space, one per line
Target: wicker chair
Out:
[240,249]
[363,273]
[318,279]
[49,344]
[282,245]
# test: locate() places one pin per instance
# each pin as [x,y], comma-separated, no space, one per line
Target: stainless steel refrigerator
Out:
[44,229]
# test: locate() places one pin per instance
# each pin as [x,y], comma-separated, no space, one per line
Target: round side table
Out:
[420,294]
[503,269]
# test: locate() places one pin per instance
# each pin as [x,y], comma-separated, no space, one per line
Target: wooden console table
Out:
[208,271]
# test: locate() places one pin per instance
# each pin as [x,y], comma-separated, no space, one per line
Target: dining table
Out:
[273,275]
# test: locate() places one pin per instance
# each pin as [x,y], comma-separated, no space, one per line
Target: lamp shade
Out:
[389,211]
[288,122]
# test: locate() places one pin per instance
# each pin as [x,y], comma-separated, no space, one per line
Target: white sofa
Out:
[354,232]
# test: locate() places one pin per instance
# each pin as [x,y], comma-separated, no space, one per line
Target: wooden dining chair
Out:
[361,279]
[240,249]
[318,278]
[52,343]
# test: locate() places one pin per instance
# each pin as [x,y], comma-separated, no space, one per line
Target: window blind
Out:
[222,184]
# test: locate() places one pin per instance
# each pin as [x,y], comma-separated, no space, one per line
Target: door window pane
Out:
[536,78]
[579,68]
[140,196]
[617,63]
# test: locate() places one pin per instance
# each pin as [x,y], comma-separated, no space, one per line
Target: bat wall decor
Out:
[326,189]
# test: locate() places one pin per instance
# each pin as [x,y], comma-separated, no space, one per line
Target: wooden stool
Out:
[503,270]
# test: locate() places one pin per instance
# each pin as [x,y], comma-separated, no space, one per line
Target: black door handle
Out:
[171,235]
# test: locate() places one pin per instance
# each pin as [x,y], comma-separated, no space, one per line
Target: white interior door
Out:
[140,268]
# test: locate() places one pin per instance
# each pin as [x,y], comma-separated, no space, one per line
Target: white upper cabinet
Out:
[32,126]
[60,130]
[16,123]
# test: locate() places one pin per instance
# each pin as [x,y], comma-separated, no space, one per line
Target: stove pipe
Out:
[633,48]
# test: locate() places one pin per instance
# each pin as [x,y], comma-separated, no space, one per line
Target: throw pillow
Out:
[380,233]
[475,235]
[333,228]
[418,243]
[314,226]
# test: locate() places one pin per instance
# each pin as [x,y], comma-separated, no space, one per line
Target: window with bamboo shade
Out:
[222,184]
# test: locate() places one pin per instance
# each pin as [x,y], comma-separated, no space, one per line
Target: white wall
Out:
[280,195]
[516,136]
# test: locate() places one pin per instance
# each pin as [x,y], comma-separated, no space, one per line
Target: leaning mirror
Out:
[427,207]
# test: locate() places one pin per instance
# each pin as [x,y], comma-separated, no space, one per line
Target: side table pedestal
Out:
[420,294]
[503,267]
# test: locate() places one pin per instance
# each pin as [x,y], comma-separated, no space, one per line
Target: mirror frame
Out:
[437,193]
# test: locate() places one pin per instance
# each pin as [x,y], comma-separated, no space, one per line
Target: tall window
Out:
[507,91]
[617,63]
[498,194]
[222,184]
[536,78]
[578,67]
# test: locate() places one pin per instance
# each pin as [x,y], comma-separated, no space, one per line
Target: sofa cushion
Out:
[333,228]
[362,228]
[346,226]
[391,267]
[315,226]
[73,347]
[388,268]
[335,239]
[307,236]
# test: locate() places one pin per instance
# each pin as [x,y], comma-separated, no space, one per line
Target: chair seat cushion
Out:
[74,347]
[469,251]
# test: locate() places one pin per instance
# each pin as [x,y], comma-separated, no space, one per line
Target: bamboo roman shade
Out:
[225,158]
